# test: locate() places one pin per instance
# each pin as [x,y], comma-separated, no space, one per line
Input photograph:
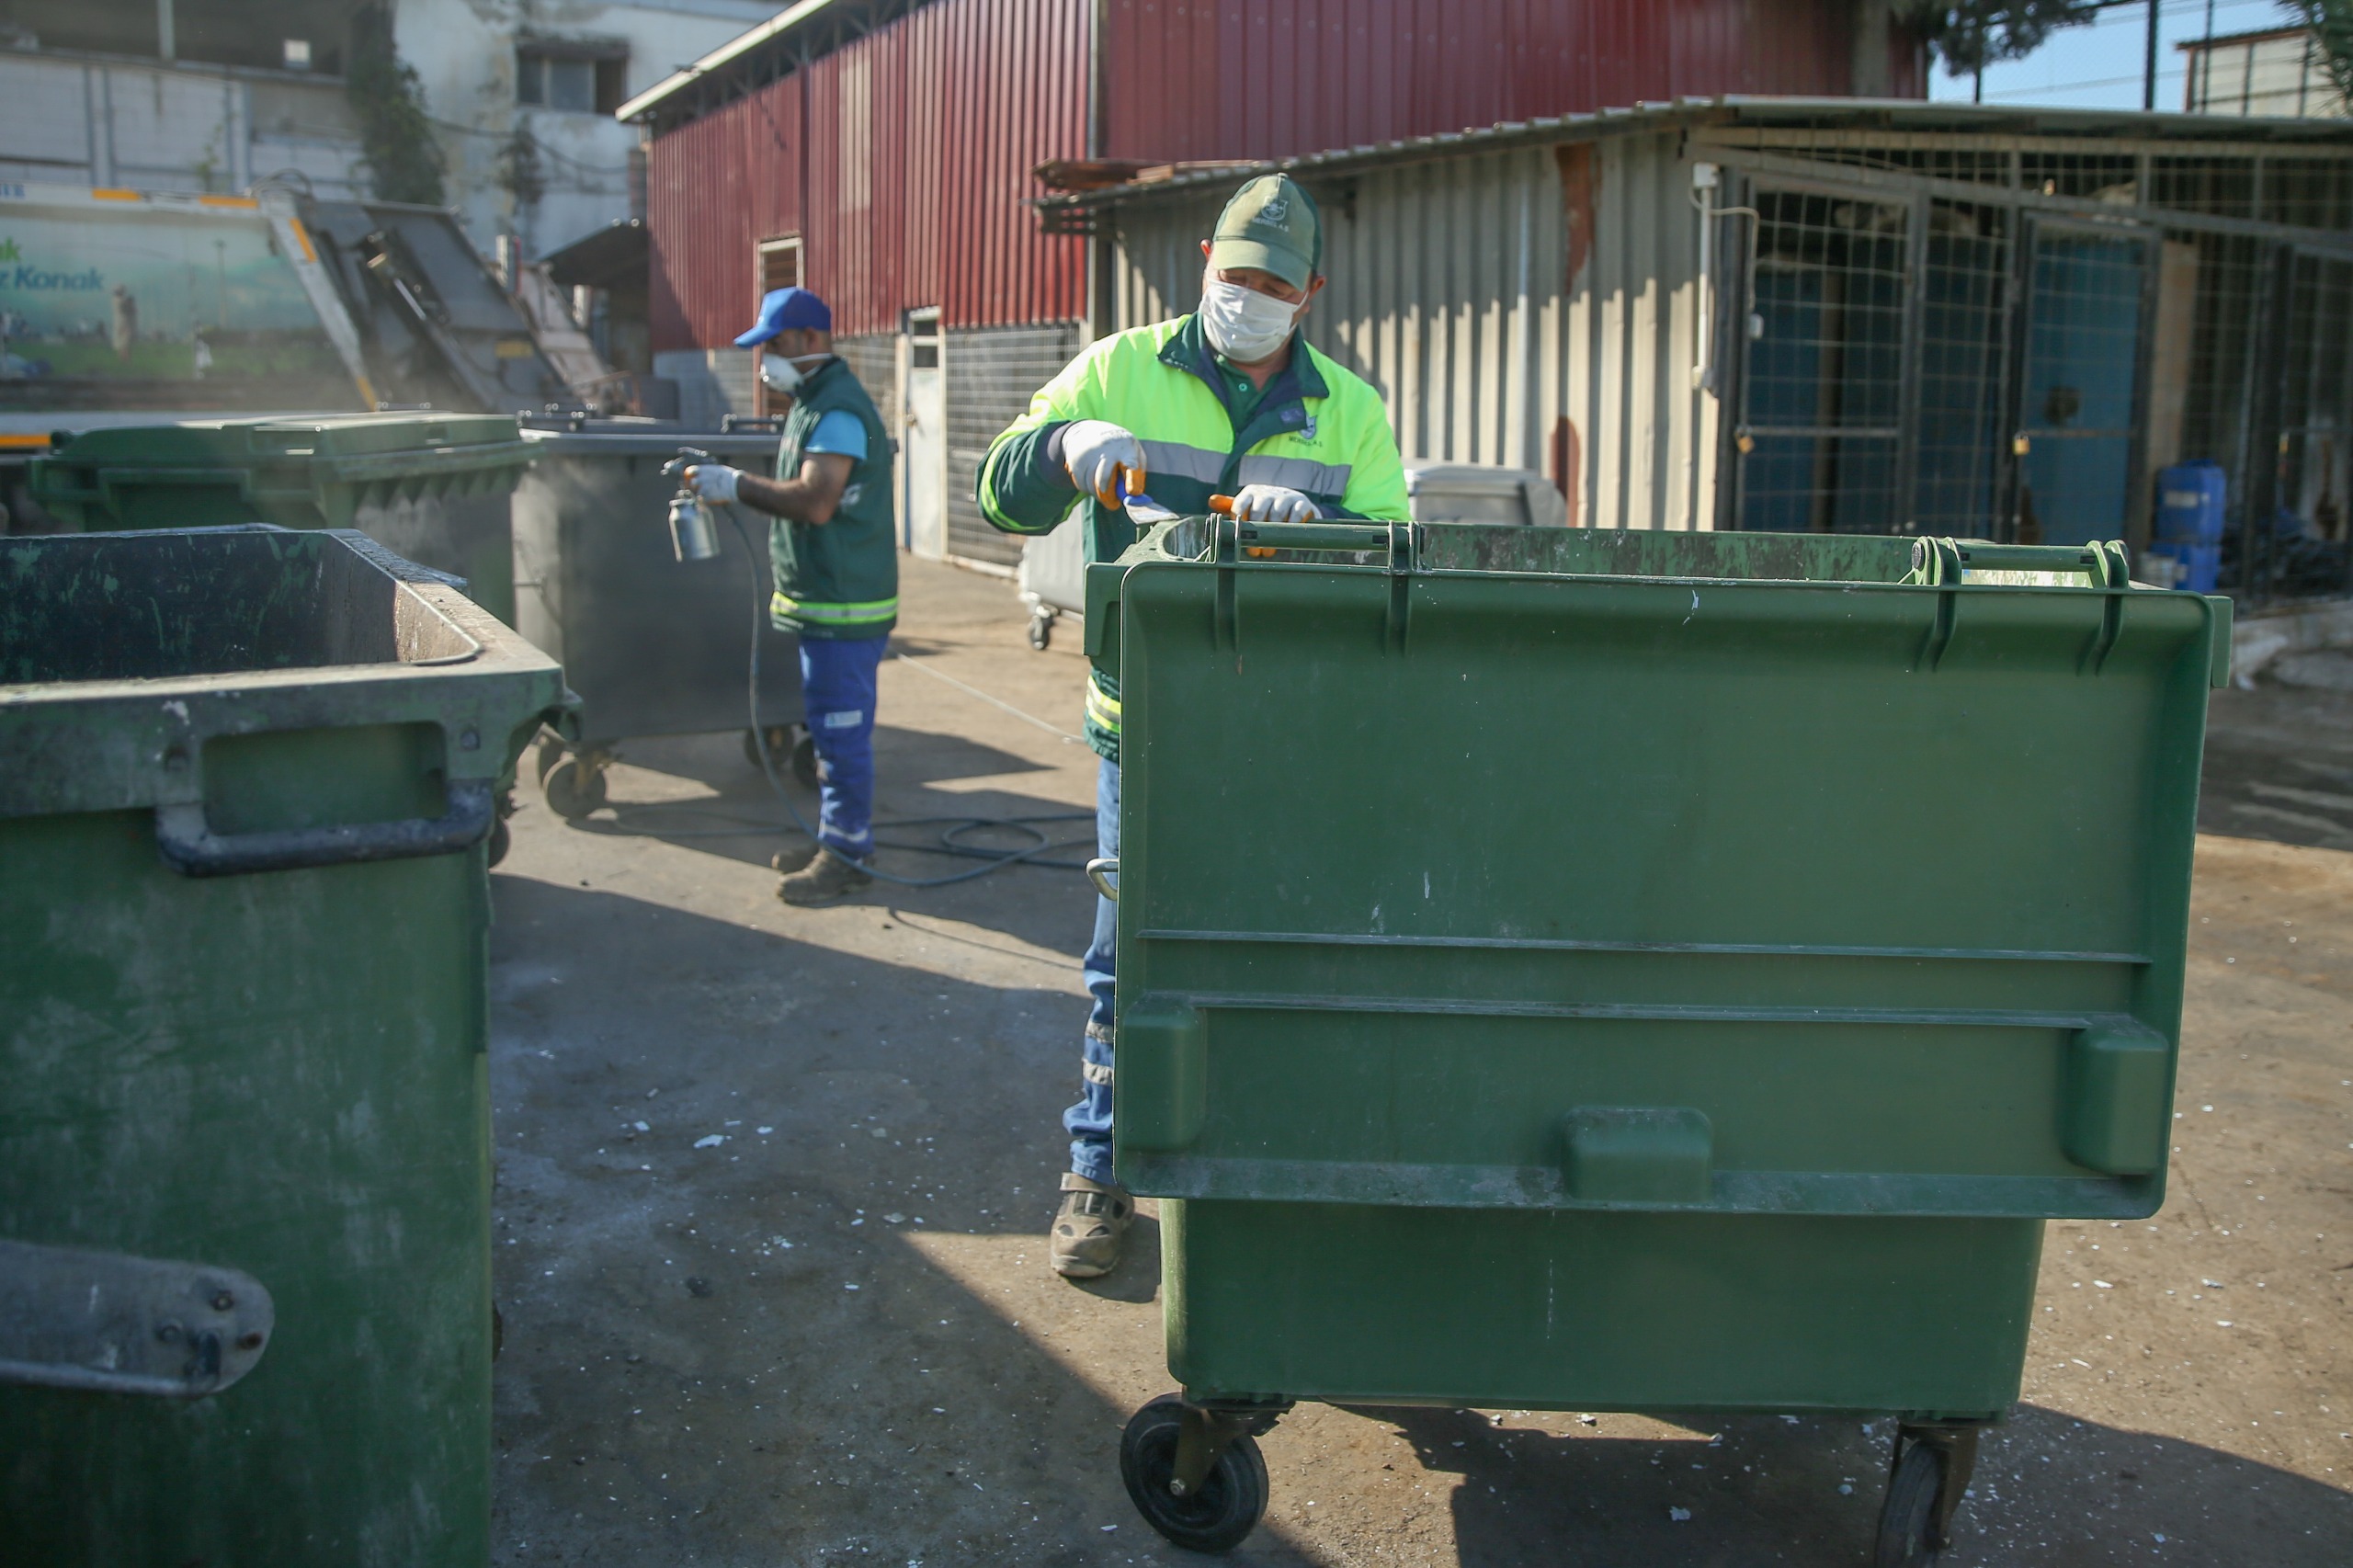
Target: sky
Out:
[2099,66]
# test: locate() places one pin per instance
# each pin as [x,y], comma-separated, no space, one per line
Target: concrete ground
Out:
[772,1189]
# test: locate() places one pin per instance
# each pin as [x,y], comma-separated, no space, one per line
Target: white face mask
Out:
[1242,324]
[782,375]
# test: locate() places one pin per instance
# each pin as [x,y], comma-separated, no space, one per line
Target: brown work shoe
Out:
[1088,1228]
[827,878]
[793,858]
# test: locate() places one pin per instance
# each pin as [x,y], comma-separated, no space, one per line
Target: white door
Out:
[926,450]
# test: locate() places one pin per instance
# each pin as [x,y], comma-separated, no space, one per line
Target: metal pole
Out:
[166,44]
[2149,69]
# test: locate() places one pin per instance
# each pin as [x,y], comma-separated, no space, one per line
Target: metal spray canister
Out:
[694,532]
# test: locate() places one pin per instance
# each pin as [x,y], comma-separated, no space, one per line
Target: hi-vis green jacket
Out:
[1318,430]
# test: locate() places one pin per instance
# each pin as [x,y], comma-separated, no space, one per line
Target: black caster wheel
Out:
[574,786]
[804,761]
[780,739]
[1933,1466]
[1226,1505]
[1041,632]
[501,841]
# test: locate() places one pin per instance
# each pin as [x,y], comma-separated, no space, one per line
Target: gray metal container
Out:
[654,646]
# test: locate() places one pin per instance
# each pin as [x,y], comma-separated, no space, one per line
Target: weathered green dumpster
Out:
[432,488]
[245,1305]
[1605,970]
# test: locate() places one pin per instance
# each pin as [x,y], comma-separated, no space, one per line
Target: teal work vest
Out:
[838,579]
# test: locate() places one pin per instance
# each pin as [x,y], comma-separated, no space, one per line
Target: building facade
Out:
[207,96]
[885,152]
[2279,73]
[522,94]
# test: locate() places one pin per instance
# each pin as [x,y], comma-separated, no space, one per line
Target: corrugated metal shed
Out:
[1494,296]
[915,126]
[715,186]
[1287,78]
[915,143]
[1538,295]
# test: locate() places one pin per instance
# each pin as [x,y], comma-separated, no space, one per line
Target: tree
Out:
[2332,25]
[404,160]
[1972,34]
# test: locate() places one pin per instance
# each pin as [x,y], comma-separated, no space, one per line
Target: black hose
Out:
[948,845]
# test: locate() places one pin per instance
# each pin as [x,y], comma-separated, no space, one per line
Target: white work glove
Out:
[1099,455]
[713,482]
[1273,504]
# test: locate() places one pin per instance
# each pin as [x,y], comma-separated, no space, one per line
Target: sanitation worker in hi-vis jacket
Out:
[1229,400]
[834,551]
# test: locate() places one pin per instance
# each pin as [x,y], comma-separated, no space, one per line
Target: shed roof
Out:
[775,34]
[1907,116]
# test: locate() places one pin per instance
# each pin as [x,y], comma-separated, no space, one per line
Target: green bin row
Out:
[245,1178]
[430,487]
[1578,969]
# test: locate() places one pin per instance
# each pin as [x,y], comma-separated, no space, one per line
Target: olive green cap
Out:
[1271,224]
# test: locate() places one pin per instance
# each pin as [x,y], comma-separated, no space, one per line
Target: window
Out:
[575,77]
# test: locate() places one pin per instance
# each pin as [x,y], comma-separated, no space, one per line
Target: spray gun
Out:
[694,533]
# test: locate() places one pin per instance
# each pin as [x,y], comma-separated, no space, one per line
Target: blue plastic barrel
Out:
[2190,503]
[2193,566]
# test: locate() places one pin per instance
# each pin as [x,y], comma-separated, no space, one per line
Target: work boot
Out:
[1088,1228]
[826,877]
[793,858]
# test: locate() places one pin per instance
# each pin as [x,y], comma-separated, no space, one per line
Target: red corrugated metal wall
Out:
[921,139]
[1276,78]
[921,136]
[714,187]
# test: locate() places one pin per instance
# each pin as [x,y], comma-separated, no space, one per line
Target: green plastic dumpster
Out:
[244,1180]
[430,487]
[1581,969]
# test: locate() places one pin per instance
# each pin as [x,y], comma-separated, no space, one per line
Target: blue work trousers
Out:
[837,694]
[1089,1121]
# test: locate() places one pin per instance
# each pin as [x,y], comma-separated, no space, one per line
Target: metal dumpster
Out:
[244,1179]
[432,488]
[654,646]
[1619,970]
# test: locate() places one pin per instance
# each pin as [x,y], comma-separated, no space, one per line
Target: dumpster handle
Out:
[190,847]
[1101,871]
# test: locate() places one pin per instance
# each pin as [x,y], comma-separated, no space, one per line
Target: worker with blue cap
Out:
[834,550]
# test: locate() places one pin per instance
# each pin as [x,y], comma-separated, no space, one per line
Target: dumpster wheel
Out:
[787,741]
[1229,1497]
[1932,1469]
[574,785]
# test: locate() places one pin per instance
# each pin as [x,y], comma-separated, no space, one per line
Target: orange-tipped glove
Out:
[1274,503]
[1104,460]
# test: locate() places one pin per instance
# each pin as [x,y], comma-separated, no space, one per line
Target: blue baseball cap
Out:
[788,309]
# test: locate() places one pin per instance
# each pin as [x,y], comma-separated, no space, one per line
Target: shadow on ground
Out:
[2279,767]
[2048,1490]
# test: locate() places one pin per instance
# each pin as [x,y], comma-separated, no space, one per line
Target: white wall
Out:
[463,51]
[67,120]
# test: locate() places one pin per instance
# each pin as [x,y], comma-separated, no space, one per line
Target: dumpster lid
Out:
[459,440]
[635,439]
